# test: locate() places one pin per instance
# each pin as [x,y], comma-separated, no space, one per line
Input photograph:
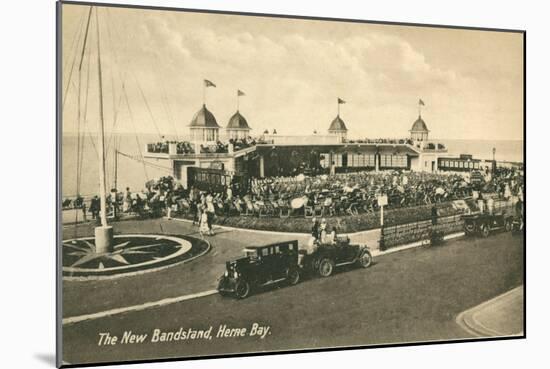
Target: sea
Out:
[134,173]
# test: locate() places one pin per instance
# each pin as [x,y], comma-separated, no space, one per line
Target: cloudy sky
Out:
[292,72]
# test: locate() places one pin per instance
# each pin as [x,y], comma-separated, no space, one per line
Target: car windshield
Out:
[252,254]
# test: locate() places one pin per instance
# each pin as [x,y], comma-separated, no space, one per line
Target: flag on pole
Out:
[420,102]
[340,101]
[240,93]
[208,83]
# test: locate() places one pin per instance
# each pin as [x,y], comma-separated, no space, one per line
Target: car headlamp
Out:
[226,273]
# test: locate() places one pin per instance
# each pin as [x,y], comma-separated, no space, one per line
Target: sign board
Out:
[460,205]
[382,200]
[216,164]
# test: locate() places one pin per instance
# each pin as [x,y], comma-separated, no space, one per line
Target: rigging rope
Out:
[133,124]
[165,103]
[113,136]
[147,106]
[73,64]
[140,159]
[74,43]
[79,147]
[128,70]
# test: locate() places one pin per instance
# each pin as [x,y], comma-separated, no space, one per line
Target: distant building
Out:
[419,130]
[284,155]
[204,127]
[238,127]
[338,128]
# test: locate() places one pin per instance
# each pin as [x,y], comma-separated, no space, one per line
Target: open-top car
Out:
[261,266]
[483,224]
[325,257]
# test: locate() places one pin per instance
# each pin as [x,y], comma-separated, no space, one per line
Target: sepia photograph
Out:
[238,184]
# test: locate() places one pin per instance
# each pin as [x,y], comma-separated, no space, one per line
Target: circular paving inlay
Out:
[131,253]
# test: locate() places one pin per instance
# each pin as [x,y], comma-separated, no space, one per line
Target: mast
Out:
[101,134]
[79,119]
[116,169]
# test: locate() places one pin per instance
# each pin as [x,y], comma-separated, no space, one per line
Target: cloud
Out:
[293,74]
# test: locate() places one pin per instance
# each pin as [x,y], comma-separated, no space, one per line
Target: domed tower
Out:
[338,128]
[419,130]
[237,127]
[203,126]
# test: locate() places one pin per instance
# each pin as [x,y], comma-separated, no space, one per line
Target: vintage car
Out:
[261,266]
[483,223]
[518,225]
[323,258]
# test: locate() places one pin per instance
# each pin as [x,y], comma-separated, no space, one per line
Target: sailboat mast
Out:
[101,131]
[116,169]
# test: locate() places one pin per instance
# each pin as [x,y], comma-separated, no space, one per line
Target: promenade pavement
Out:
[500,316]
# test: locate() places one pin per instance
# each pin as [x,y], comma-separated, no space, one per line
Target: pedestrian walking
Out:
[204,228]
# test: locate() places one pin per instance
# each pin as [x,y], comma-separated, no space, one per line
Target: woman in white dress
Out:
[203,227]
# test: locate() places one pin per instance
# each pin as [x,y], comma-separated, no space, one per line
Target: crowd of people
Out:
[392,141]
[400,141]
[324,195]
[163,147]
[186,147]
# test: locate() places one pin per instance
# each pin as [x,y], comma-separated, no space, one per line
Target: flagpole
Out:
[104,233]
[238,100]
[338,103]
[101,138]
[203,93]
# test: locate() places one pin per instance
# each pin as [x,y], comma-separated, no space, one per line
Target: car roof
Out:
[257,247]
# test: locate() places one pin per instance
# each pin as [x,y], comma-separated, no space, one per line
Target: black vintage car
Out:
[483,224]
[261,266]
[325,257]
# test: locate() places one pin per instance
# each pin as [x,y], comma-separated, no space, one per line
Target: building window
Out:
[325,160]
[210,135]
[394,161]
[338,160]
[399,161]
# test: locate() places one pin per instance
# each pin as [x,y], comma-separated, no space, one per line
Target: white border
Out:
[28,167]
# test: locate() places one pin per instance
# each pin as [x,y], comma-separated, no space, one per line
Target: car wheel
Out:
[484,230]
[508,225]
[326,266]
[293,276]
[365,260]
[242,289]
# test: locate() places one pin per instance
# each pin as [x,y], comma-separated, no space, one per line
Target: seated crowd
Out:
[401,141]
[324,195]
[186,147]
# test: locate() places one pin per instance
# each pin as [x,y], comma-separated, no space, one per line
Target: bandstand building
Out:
[338,128]
[419,130]
[287,155]
[204,127]
[237,127]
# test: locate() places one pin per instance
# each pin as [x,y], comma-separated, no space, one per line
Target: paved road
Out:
[414,295]
[85,297]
